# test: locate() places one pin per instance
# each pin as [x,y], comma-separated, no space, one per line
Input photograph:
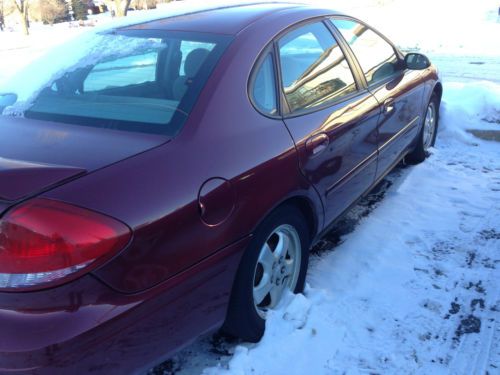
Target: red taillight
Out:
[44,240]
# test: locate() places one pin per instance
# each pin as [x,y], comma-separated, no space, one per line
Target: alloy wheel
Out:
[429,126]
[277,269]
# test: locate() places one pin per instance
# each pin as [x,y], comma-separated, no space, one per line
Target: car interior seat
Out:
[193,63]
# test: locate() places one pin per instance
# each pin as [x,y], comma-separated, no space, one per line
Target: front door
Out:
[398,90]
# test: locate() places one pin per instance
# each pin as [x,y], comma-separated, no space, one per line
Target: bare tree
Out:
[22,7]
[49,11]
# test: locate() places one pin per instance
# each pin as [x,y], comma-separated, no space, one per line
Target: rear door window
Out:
[314,70]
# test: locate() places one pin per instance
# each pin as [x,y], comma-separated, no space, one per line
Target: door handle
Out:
[388,106]
[317,143]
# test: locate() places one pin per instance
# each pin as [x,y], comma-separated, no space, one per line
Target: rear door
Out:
[330,115]
[397,89]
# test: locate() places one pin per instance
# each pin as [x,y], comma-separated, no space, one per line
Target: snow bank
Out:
[469,106]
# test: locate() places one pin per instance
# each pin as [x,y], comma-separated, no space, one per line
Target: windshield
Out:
[134,80]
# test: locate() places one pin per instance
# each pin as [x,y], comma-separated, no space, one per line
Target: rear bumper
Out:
[85,326]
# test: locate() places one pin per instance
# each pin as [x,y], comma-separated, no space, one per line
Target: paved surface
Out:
[452,67]
[487,135]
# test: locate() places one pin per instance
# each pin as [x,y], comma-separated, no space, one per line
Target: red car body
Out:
[191,201]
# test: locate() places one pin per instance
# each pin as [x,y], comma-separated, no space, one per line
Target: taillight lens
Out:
[44,241]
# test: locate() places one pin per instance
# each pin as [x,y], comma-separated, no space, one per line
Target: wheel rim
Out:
[277,269]
[429,125]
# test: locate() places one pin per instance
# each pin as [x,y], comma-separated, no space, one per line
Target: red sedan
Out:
[171,181]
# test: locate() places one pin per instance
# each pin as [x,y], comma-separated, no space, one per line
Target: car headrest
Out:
[194,60]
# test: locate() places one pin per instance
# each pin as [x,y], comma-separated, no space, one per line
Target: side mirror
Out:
[417,61]
[7,100]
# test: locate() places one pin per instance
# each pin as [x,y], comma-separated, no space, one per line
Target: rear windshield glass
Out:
[136,80]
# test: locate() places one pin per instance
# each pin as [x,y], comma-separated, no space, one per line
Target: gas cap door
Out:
[216,201]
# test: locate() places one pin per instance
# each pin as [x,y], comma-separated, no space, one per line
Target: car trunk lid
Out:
[38,155]
[20,178]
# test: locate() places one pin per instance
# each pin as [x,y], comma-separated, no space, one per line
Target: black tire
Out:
[419,154]
[243,320]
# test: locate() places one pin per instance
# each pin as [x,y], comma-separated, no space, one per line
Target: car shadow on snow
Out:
[348,222]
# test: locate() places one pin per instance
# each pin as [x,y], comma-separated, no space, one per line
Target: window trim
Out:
[285,108]
[397,52]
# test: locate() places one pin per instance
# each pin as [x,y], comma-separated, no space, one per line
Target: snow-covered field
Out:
[409,282]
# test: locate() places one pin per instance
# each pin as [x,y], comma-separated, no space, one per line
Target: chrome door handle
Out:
[388,106]
[317,143]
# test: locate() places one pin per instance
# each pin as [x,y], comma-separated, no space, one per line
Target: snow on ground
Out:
[409,281]
[18,51]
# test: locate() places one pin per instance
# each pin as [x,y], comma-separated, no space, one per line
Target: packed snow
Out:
[409,281]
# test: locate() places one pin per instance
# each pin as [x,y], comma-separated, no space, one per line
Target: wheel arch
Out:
[305,205]
[438,90]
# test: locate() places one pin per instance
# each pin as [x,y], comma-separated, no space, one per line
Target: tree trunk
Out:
[122,7]
[22,9]
[1,15]
[25,22]
[120,12]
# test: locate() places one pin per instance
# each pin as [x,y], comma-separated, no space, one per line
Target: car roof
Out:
[229,19]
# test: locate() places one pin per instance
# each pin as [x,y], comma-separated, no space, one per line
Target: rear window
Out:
[136,80]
